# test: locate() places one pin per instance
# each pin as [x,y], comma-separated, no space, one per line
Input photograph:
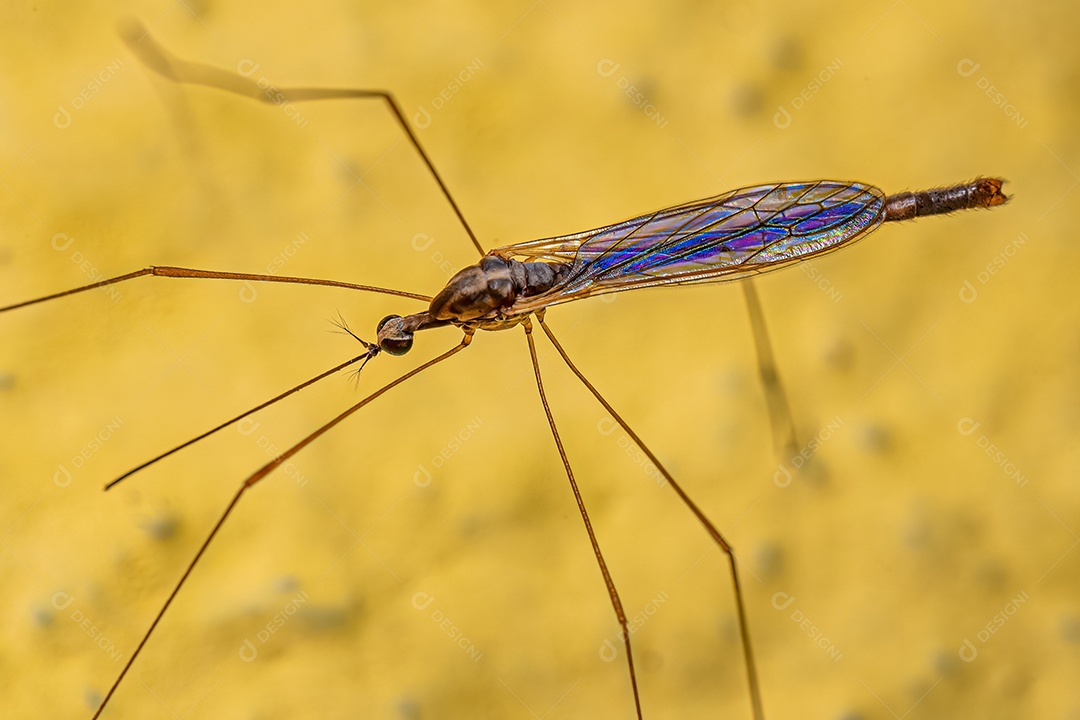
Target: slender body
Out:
[727,237]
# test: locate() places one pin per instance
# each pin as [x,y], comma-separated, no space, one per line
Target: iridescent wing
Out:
[727,237]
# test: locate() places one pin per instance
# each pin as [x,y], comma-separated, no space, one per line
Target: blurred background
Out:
[426,559]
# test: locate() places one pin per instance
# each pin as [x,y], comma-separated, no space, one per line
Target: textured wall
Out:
[440,517]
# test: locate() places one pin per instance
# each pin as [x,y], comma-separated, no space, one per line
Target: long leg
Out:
[162,61]
[979,193]
[613,593]
[179,272]
[280,396]
[256,477]
[785,441]
[717,536]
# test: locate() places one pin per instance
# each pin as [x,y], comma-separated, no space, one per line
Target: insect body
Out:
[728,237]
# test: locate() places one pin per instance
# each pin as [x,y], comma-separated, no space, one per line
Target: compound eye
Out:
[385,320]
[396,346]
[396,340]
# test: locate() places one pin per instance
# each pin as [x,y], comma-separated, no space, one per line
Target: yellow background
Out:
[902,541]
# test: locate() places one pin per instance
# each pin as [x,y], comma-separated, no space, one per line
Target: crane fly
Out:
[732,236]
